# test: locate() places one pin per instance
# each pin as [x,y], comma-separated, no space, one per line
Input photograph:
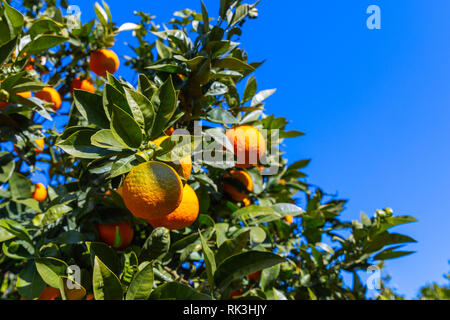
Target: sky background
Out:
[374,105]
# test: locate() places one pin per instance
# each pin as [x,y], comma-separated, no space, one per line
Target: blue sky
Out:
[374,105]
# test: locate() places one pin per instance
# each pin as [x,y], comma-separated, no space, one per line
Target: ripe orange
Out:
[254,276]
[85,85]
[246,181]
[49,293]
[152,190]
[40,192]
[236,293]
[183,166]
[183,216]
[249,145]
[289,219]
[41,144]
[90,296]
[169,131]
[102,61]
[26,94]
[30,65]
[50,95]
[107,233]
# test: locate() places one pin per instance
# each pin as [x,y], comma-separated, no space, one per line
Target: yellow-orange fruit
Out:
[85,85]
[289,219]
[236,293]
[249,145]
[26,94]
[30,65]
[254,276]
[152,190]
[102,61]
[183,166]
[50,95]
[49,293]
[184,215]
[90,296]
[40,192]
[169,131]
[245,179]
[41,144]
[107,233]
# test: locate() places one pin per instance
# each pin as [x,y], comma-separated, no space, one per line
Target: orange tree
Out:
[171,187]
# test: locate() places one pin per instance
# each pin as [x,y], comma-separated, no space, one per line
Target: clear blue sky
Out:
[375,106]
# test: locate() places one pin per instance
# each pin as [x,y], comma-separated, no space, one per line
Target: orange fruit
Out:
[107,233]
[249,145]
[49,293]
[183,166]
[245,179]
[85,85]
[40,192]
[41,144]
[183,216]
[30,65]
[289,219]
[152,190]
[254,276]
[102,61]
[50,95]
[169,131]
[26,94]
[236,293]
[90,296]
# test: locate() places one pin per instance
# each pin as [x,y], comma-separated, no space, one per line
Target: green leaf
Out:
[16,229]
[123,164]
[243,264]
[104,252]
[7,166]
[42,43]
[15,17]
[75,292]
[177,291]
[105,139]
[391,254]
[205,18]
[6,49]
[20,186]
[232,246]
[142,284]
[50,269]
[386,239]
[250,89]
[142,109]
[90,106]
[261,96]
[221,116]
[165,105]
[209,262]
[234,64]
[125,129]
[105,283]
[29,283]
[44,25]
[268,277]
[79,145]
[156,246]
